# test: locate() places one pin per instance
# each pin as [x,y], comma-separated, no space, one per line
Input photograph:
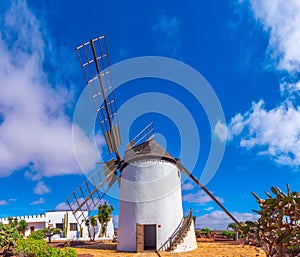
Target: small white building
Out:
[58,219]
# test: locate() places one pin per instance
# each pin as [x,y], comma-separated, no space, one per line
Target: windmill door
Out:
[139,238]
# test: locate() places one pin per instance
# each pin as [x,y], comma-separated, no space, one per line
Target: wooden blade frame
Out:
[186,172]
[88,195]
[94,61]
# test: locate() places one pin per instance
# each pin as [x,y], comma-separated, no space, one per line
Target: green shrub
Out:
[68,252]
[31,247]
[37,235]
[205,231]
[37,248]
[228,234]
[197,233]
[52,252]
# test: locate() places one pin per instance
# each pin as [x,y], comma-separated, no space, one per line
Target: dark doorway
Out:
[150,237]
[31,230]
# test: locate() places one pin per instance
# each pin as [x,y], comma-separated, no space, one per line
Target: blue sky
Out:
[246,50]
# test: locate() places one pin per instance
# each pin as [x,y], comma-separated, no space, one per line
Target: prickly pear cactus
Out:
[8,237]
[278,226]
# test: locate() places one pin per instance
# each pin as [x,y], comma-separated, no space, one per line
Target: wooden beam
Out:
[185,171]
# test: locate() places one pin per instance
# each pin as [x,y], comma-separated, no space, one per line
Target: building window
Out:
[73,226]
[60,226]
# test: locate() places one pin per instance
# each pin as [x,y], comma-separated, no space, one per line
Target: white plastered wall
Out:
[150,194]
[189,242]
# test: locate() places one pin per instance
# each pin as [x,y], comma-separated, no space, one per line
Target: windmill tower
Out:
[150,212]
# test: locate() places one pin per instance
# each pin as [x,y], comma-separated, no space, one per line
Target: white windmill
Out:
[150,211]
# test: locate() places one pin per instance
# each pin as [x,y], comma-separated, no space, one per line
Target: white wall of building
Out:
[109,230]
[54,218]
[35,222]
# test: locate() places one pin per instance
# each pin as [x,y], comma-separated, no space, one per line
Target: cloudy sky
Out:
[248,51]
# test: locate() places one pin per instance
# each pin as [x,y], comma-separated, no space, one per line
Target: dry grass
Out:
[204,250]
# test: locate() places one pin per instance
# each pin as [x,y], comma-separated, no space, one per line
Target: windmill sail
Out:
[94,61]
[88,195]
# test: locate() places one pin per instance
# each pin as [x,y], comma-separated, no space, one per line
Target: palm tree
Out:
[13,222]
[104,215]
[10,220]
[94,225]
[235,228]
[194,219]
[22,227]
[87,223]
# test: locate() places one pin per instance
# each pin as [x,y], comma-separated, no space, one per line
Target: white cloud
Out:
[13,199]
[209,208]
[290,91]
[39,201]
[166,31]
[219,220]
[41,188]
[199,197]
[35,132]
[62,207]
[282,21]
[220,131]
[187,186]
[276,132]
[3,202]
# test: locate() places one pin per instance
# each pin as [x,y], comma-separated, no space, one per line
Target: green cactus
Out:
[8,236]
[278,226]
[66,227]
